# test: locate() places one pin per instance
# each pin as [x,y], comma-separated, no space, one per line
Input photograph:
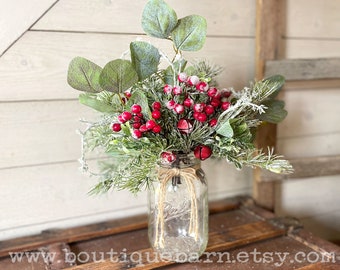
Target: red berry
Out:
[209,109]
[188,102]
[167,89]
[150,124]
[177,90]
[182,77]
[225,105]
[135,108]
[199,107]
[143,128]
[179,108]
[215,102]
[168,157]
[116,127]
[202,117]
[184,126]
[226,93]
[202,86]
[156,105]
[126,116]
[157,129]
[136,134]
[196,114]
[202,152]
[213,122]
[127,94]
[136,125]
[156,114]
[212,92]
[137,119]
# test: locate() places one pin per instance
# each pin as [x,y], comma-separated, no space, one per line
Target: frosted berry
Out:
[126,116]
[225,105]
[157,129]
[168,157]
[177,90]
[202,152]
[199,107]
[179,108]
[156,105]
[150,124]
[213,122]
[212,92]
[188,102]
[193,80]
[209,109]
[182,77]
[136,134]
[167,89]
[202,86]
[170,104]
[121,119]
[135,108]
[184,126]
[156,114]
[127,94]
[136,125]
[116,127]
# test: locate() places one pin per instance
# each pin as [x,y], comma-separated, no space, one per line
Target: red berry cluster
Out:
[136,119]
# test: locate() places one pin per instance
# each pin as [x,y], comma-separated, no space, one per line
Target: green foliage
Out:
[190,33]
[275,112]
[145,58]
[225,129]
[118,75]
[138,97]
[83,75]
[158,19]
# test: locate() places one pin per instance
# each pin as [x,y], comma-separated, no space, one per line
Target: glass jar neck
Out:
[182,161]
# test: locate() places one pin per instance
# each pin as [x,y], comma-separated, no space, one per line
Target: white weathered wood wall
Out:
[40,184]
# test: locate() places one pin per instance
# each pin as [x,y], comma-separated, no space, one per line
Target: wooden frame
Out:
[299,73]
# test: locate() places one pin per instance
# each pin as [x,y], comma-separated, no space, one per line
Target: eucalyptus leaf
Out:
[145,58]
[275,112]
[98,105]
[190,33]
[118,76]
[83,75]
[158,19]
[225,129]
[138,97]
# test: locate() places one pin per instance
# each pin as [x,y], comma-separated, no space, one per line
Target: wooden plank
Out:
[233,18]
[308,167]
[268,31]
[100,229]
[312,84]
[18,16]
[304,69]
[314,18]
[240,235]
[41,59]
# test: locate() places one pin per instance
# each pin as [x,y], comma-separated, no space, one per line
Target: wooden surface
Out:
[304,69]
[237,228]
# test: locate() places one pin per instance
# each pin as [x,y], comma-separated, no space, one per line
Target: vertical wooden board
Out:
[313,48]
[313,19]
[310,112]
[17,16]
[40,61]
[41,132]
[235,18]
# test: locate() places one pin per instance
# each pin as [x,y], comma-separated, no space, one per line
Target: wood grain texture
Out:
[224,17]
[14,20]
[304,69]
[43,70]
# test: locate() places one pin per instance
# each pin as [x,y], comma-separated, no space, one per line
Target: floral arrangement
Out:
[149,114]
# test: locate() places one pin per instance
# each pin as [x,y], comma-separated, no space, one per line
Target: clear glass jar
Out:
[178,209]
